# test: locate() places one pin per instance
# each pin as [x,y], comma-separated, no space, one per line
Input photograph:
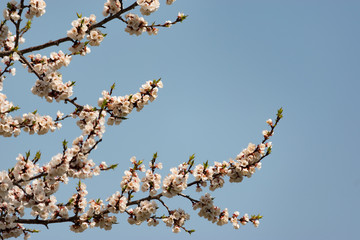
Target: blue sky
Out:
[226,70]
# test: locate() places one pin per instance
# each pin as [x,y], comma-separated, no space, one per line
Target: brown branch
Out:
[46,222]
[112,17]
[188,197]
[17,25]
[29,65]
[162,202]
[6,68]
[72,101]
[137,202]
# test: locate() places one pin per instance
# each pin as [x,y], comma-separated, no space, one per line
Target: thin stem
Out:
[167,208]
[188,197]
[29,65]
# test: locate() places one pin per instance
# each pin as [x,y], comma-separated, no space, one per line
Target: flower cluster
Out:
[142,213]
[12,11]
[214,174]
[135,24]
[80,27]
[78,201]
[131,181]
[202,173]
[30,122]
[247,161]
[91,121]
[111,7]
[50,84]
[46,65]
[8,61]
[120,107]
[95,37]
[152,30]
[37,8]
[151,182]
[176,182]
[244,165]
[94,217]
[7,39]
[23,170]
[80,48]
[5,183]
[244,220]
[117,203]
[207,208]
[176,219]
[52,87]
[148,6]
[9,229]
[5,105]
[103,221]
[215,215]
[44,203]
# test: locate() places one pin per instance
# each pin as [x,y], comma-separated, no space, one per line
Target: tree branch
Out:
[67,39]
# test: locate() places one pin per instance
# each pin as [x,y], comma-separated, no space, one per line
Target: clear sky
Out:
[226,70]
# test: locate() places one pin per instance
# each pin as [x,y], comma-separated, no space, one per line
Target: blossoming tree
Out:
[31,185]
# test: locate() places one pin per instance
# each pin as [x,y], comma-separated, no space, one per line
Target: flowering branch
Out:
[31,185]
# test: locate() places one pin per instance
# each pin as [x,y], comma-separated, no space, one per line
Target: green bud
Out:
[64,143]
[114,166]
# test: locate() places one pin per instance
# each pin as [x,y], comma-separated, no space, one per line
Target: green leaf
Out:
[64,143]
[279,113]
[206,164]
[27,155]
[103,105]
[113,166]
[268,151]
[28,25]
[256,217]
[70,201]
[112,86]
[37,157]
[156,81]
[14,108]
